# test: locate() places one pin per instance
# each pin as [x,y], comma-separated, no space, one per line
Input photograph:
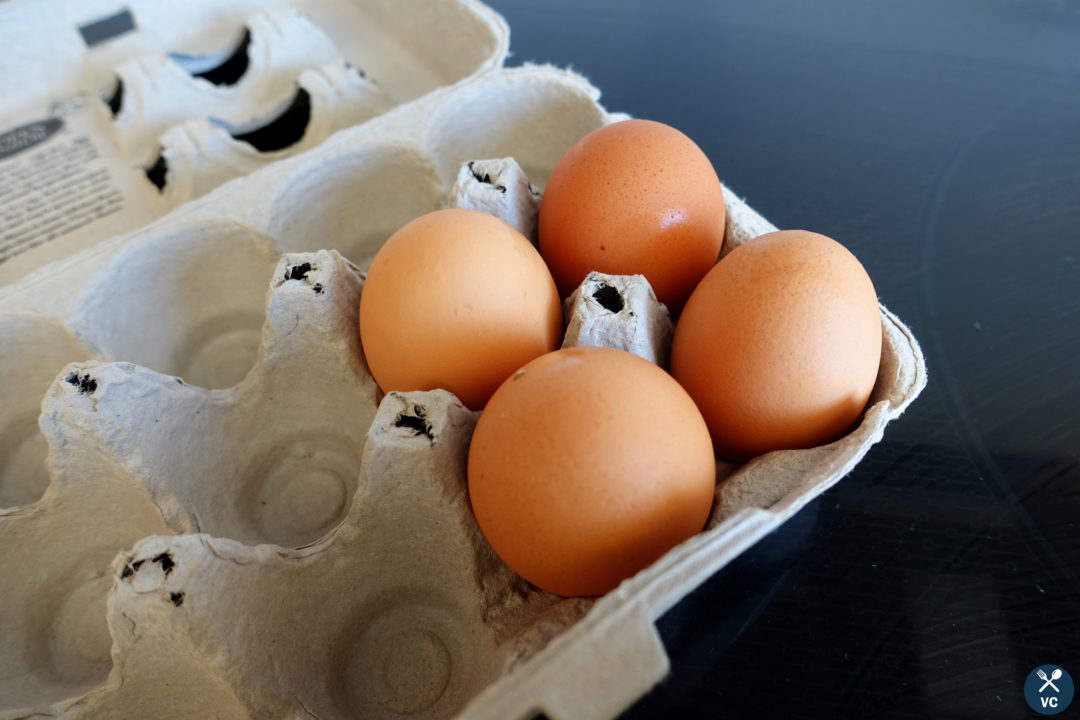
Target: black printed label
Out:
[25,137]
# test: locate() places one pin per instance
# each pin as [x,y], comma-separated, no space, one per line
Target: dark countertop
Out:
[940,142]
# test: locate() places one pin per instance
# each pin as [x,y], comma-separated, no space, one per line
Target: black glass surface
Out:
[939,140]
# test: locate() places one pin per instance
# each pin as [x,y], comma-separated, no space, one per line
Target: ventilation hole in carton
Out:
[148,574]
[213,68]
[484,178]
[298,272]
[298,491]
[158,173]
[115,100]
[284,131]
[177,598]
[355,201]
[609,298]
[188,303]
[166,561]
[413,420]
[85,384]
[537,716]
[230,71]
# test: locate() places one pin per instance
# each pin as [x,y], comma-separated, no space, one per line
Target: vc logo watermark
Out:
[1048,689]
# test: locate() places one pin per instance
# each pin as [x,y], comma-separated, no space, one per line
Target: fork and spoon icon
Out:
[1049,680]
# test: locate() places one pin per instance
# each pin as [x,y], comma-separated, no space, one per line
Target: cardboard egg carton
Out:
[116,112]
[211,510]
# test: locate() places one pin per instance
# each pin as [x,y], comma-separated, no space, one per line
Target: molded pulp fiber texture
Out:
[212,511]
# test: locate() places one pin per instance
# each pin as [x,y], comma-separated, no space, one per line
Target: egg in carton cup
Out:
[115,113]
[233,521]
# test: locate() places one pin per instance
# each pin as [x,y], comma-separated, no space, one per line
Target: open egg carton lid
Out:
[115,112]
[234,521]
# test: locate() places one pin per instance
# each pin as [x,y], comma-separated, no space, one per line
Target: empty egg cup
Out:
[155,92]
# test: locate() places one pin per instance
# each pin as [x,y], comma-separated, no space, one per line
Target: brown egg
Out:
[458,300]
[779,344]
[633,197]
[586,466]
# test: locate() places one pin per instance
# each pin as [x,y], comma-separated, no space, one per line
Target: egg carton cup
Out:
[403,611]
[413,46]
[276,459]
[72,174]
[180,395]
[155,92]
[198,155]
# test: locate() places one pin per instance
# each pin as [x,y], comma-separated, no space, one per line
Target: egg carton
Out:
[114,114]
[212,511]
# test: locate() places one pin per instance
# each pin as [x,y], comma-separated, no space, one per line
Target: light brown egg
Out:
[586,466]
[779,344]
[458,300]
[633,197]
